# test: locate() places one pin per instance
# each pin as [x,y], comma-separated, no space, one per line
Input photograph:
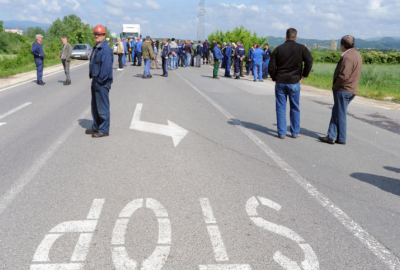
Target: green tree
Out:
[239,33]
[31,32]
[1,26]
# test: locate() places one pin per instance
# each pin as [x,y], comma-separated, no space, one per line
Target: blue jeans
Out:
[174,61]
[259,67]
[39,69]
[187,55]
[123,59]
[147,63]
[282,90]
[100,106]
[250,67]
[192,60]
[228,66]
[338,125]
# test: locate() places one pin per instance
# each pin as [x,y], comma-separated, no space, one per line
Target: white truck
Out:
[130,31]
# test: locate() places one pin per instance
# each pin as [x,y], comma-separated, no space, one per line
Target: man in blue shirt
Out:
[138,51]
[257,59]
[251,50]
[101,73]
[133,43]
[126,51]
[38,54]
[228,56]
[240,53]
[217,59]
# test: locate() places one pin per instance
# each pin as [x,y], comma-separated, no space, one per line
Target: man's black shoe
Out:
[150,76]
[164,75]
[145,77]
[40,83]
[242,75]
[90,131]
[99,135]
[261,80]
[326,140]
[237,78]
[340,142]
[282,137]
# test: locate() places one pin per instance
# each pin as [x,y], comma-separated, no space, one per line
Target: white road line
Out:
[2,124]
[17,187]
[384,254]
[29,81]
[14,110]
[207,211]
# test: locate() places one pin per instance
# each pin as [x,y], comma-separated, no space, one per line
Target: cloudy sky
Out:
[319,19]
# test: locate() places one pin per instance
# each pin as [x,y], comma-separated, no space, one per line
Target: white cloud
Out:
[255,8]
[280,26]
[113,10]
[4,1]
[152,4]
[115,3]
[224,5]
[126,18]
[136,4]
[241,6]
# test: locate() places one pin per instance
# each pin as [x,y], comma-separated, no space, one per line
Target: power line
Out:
[200,29]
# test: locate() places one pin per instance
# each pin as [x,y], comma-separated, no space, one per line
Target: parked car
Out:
[115,47]
[81,51]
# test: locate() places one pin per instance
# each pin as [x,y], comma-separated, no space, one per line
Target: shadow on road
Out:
[273,132]
[387,184]
[85,123]
[393,169]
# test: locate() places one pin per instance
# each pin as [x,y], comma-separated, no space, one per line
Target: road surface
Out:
[192,176]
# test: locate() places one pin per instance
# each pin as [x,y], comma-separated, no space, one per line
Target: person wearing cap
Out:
[38,54]
[217,59]
[192,53]
[66,59]
[240,53]
[206,51]
[148,55]
[101,72]
[228,56]
[165,53]
[199,54]
[138,51]
[223,50]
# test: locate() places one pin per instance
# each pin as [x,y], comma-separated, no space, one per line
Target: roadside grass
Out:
[29,67]
[381,82]
[3,56]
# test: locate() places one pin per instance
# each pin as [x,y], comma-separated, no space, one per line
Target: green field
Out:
[3,56]
[28,67]
[377,81]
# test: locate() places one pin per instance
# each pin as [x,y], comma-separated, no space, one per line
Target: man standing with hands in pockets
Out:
[66,58]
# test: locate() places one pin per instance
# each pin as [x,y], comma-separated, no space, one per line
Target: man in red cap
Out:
[101,73]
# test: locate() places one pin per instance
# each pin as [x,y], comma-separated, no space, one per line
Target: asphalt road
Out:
[192,176]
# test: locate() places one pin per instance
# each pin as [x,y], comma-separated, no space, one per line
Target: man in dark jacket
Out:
[240,53]
[165,53]
[188,51]
[101,72]
[345,83]
[199,54]
[206,51]
[266,58]
[180,54]
[38,54]
[128,45]
[249,59]
[286,69]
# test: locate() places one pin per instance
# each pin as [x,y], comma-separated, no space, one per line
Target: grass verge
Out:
[380,82]
[29,67]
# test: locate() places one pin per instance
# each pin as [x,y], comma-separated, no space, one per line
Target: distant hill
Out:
[23,25]
[386,43]
[380,38]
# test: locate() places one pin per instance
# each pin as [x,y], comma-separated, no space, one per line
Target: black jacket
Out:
[286,63]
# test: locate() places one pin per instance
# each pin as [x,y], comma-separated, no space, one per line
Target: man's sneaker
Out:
[40,83]
[120,69]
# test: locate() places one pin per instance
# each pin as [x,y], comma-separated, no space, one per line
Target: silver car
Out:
[81,51]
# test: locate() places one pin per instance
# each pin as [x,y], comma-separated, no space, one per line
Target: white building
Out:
[16,31]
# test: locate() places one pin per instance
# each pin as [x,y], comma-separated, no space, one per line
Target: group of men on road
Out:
[288,65]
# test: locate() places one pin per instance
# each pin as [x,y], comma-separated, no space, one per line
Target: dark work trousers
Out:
[139,58]
[237,67]
[338,125]
[66,65]
[120,60]
[129,57]
[205,57]
[241,68]
[101,106]
[250,68]
[39,68]
[165,66]
[228,67]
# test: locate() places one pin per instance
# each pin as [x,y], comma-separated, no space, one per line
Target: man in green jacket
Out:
[193,53]
[148,55]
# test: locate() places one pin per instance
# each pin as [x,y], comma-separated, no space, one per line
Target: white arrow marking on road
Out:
[172,130]
[2,124]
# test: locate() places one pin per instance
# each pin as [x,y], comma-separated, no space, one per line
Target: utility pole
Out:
[200,29]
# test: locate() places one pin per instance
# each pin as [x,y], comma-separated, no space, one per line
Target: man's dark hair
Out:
[199,41]
[213,40]
[348,41]
[266,44]
[218,42]
[291,33]
[173,39]
[257,46]
[169,40]
[239,42]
